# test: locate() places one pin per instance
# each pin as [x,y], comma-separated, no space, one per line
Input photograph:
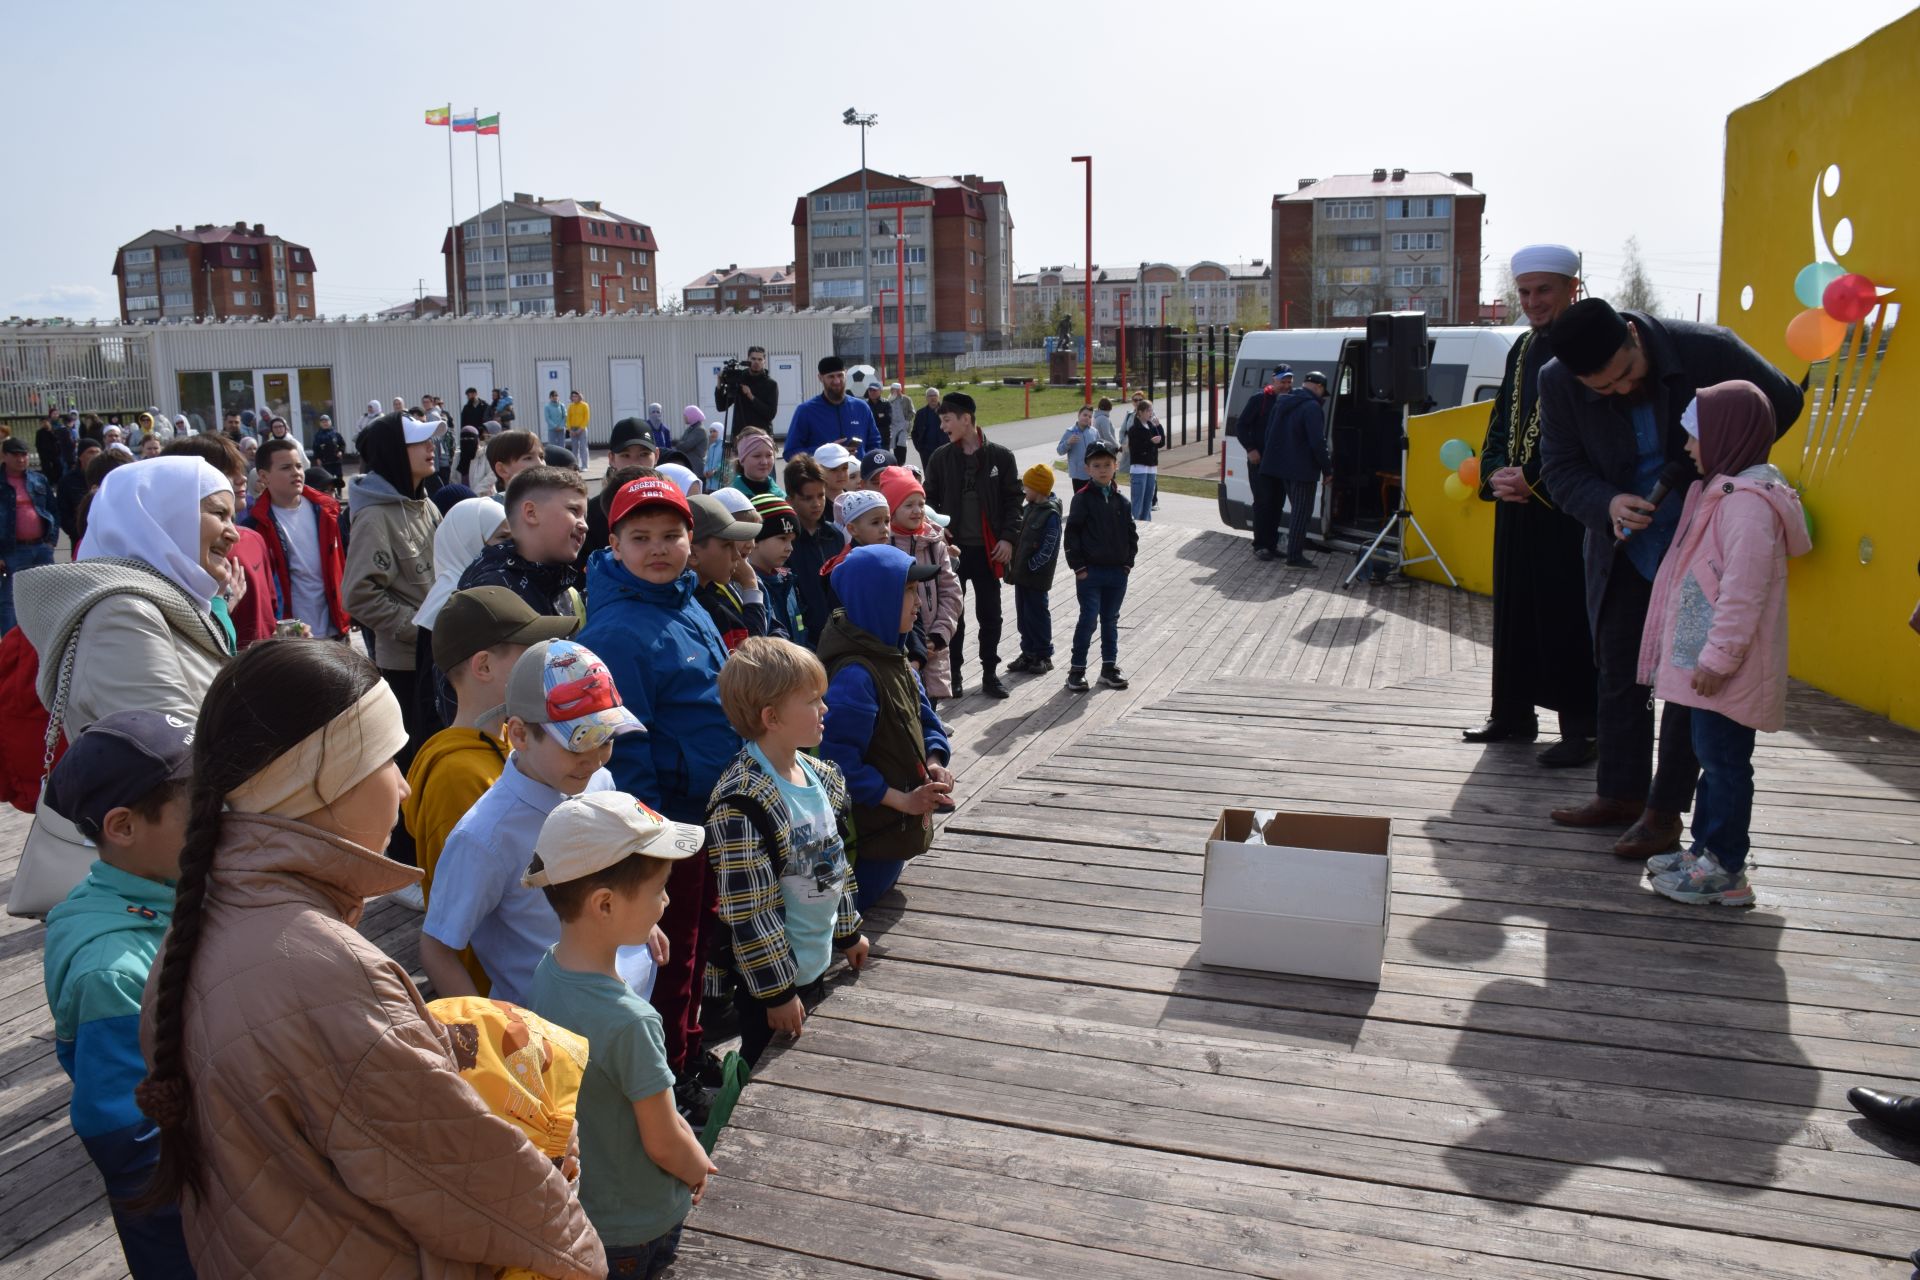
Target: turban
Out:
[1556,258]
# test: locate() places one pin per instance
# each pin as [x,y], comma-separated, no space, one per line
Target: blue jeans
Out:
[644,1261]
[873,879]
[31,556]
[1723,802]
[1143,487]
[1100,592]
[1034,616]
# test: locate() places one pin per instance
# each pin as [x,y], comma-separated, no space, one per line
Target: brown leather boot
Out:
[1600,811]
[1654,832]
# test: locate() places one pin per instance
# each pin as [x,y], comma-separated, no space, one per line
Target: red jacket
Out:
[333,556]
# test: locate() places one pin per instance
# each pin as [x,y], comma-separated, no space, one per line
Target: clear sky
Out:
[1583,124]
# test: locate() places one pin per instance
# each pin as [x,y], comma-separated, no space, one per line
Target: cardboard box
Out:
[1311,900]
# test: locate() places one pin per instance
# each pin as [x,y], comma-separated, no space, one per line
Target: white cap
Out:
[735,501]
[420,432]
[592,832]
[833,455]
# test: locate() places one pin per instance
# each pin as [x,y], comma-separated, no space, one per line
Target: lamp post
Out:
[863,123]
[1088,336]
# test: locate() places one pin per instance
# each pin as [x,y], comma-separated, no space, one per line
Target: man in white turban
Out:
[1542,648]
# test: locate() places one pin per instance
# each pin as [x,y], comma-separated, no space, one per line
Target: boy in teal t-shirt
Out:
[602,861]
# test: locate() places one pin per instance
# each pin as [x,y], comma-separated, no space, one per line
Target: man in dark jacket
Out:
[927,435]
[57,443]
[1268,495]
[1295,457]
[70,491]
[832,415]
[754,397]
[1610,407]
[977,483]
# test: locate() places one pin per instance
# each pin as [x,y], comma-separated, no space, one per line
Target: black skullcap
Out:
[957,402]
[1587,336]
[832,364]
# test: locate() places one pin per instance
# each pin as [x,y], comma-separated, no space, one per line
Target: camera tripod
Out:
[1402,519]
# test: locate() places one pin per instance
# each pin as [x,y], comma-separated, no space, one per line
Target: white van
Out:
[1363,438]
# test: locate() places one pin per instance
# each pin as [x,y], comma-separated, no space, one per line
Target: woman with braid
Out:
[312,1118]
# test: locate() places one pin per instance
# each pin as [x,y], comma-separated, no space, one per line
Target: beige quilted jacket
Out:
[340,1141]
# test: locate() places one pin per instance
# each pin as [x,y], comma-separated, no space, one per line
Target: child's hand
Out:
[1707,683]
[657,943]
[940,773]
[700,1188]
[786,1019]
[857,954]
[923,799]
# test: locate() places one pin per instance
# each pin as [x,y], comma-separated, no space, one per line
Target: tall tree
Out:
[1636,291]
[1509,294]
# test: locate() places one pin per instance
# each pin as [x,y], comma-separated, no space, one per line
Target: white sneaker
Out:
[410,897]
[1661,863]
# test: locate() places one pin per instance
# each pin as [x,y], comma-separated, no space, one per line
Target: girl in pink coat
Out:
[1716,635]
[911,531]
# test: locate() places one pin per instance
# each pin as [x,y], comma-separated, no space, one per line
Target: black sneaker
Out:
[1077,680]
[1022,665]
[1111,678]
[1041,666]
[1568,753]
[711,1070]
[693,1100]
[991,686]
[1261,553]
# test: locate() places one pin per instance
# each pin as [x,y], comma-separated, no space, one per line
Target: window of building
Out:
[279,252]
[143,302]
[829,230]
[138,257]
[253,277]
[1420,207]
[530,253]
[533,280]
[529,226]
[279,274]
[916,253]
[300,277]
[640,283]
[239,298]
[1413,277]
[253,255]
[181,300]
[973,231]
[973,286]
[973,316]
[700,295]
[883,257]
[1346,210]
[174,276]
[139,279]
[1349,306]
[239,276]
[1416,241]
[619,231]
[253,298]
[173,253]
[826,258]
[530,306]
[838,289]
[1357,244]
[280,299]
[593,281]
[299,255]
[305,300]
[1349,275]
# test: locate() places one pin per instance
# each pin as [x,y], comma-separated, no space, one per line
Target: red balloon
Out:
[1849,298]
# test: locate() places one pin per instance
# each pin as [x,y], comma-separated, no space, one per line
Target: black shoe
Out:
[693,1099]
[1110,677]
[719,1020]
[711,1071]
[1891,1111]
[1501,731]
[1022,665]
[1077,680]
[1041,666]
[1300,562]
[1261,553]
[1569,753]
[991,686]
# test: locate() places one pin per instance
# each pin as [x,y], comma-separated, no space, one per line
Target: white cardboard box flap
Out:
[1318,866]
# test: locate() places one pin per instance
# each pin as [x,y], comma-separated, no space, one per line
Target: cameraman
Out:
[751,393]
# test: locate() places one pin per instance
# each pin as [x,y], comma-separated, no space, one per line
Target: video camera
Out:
[732,372]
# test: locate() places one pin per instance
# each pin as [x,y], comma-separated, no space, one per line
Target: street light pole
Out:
[1088,318]
[864,122]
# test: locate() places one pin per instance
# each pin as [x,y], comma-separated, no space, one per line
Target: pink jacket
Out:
[1720,598]
[939,599]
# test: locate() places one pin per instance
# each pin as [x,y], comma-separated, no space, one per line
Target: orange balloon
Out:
[1814,335]
[1470,473]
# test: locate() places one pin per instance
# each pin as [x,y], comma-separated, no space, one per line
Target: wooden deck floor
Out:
[1560,1074]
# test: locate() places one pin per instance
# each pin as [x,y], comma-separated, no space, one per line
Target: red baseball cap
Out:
[648,491]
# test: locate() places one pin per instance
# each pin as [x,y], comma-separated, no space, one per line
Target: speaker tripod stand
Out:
[1402,520]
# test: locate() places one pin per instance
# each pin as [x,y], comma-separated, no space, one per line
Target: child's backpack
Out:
[24,760]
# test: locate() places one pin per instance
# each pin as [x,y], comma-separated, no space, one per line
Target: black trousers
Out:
[1626,765]
[976,571]
[1269,496]
[405,686]
[1300,499]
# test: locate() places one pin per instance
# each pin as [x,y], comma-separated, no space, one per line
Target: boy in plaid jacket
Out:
[776,836]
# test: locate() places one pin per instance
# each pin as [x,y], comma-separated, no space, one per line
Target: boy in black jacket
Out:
[1101,544]
[1036,550]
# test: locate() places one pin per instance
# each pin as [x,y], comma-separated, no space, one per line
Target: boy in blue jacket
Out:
[123,783]
[665,655]
[881,730]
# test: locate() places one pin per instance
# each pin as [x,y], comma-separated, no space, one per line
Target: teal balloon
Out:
[1810,286]
[1455,452]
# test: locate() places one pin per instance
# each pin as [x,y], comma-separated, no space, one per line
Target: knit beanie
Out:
[1038,477]
[896,485]
[776,516]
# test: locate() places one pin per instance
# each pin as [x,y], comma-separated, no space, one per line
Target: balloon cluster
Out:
[1834,298]
[1458,457]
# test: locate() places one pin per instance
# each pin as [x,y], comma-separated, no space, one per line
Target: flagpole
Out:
[453,222]
[481,212]
[500,171]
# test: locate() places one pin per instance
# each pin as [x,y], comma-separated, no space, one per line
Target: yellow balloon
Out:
[1814,335]
[1456,489]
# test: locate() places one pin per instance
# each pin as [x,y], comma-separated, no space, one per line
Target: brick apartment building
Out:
[1202,293]
[958,257]
[1392,240]
[533,255]
[214,273]
[737,288]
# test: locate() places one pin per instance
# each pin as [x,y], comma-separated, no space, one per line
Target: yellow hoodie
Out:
[450,772]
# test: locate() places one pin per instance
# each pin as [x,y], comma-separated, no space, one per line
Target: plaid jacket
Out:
[747,874]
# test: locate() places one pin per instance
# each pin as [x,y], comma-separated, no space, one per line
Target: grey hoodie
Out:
[389,566]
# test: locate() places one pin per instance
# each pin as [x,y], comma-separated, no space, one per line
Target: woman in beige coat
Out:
[312,1121]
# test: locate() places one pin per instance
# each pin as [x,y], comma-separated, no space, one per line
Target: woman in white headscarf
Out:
[464,532]
[143,600]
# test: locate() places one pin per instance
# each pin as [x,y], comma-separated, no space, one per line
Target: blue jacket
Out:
[664,655]
[100,943]
[40,493]
[811,552]
[815,422]
[871,588]
[1296,447]
[786,616]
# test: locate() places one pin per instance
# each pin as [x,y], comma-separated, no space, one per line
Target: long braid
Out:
[166,1095]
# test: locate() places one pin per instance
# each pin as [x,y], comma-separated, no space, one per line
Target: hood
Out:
[871,588]
[52,600]
[383,453]
[436,751]
[1764,480]
[278,858]
[375,491]
[608,579]
[108,901]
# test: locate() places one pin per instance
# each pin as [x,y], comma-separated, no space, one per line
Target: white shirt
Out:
[300,535]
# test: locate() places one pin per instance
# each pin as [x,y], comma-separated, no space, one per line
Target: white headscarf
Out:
[689,483]
[462,535]
[150,512]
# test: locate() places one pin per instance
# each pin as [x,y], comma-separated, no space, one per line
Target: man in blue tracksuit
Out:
[833,415]
[1296,455]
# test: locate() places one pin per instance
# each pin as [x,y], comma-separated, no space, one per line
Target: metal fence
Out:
[44,367]
[998,359]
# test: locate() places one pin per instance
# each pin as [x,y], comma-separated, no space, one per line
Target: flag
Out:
[490,124]
[464,124]
[437,115]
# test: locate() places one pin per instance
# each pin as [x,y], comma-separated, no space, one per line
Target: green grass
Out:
[1187,485]
[996,405]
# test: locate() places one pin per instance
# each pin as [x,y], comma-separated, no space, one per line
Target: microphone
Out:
[1677,472]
